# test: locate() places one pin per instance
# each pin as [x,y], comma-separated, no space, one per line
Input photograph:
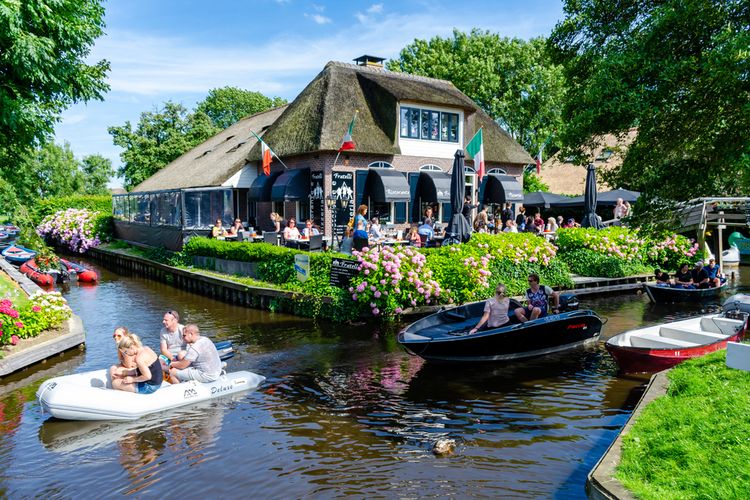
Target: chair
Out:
[316,242]
[271,237]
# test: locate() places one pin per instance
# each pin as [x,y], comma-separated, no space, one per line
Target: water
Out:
[344,412]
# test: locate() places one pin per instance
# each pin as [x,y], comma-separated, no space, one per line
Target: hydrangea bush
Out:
[42,311]
[76,229]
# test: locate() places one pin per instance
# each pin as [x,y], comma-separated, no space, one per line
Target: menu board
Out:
[317,200]
[342,188]
[342,272]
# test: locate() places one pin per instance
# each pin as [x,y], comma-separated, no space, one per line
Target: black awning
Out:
[385,185]
[498,189]
[434,187]
[292,185]
[260,190]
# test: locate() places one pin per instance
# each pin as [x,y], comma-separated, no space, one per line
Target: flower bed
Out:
[42,311]
[76,229]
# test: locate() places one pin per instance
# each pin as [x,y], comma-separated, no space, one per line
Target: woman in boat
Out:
[495,311]
[147,375]
[125,363]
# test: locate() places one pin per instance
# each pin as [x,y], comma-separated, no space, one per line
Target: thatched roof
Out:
[214,161]
[564,177]
[317,118]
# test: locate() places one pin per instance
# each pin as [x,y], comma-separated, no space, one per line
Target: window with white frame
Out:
[428,124]
[498,171]
[430,168]
[380,164]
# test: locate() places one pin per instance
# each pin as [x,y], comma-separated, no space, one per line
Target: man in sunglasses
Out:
[538,300]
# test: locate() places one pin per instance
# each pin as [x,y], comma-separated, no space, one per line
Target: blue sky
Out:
[164,50]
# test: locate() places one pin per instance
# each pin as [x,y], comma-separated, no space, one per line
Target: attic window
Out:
[430,168]
[428,125]
[204,153]
[380,164]
[604,155]
[230,137]
[497,171]
[236,147]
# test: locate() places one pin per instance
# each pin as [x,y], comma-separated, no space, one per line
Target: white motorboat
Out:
[89,395]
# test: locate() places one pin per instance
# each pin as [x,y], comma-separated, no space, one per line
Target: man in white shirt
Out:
[201,361]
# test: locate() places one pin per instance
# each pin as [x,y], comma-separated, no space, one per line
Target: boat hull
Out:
[669,295]
[89,396]
[83,275]
[641,359]
[444,341]
[30,269]
[18,255]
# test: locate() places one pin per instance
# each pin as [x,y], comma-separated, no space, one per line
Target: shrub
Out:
[588,262]
[77,229]
[42,311]
[48,206]
[669,251]
[619,242]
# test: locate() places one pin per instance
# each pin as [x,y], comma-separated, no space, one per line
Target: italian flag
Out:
[265,157]
[347,143]
[475,149]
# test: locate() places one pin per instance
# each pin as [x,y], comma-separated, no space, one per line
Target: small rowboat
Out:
[84,275]
[89,395]
[668,295]
[444,336]
[32,271]
[17,254]
[662,346]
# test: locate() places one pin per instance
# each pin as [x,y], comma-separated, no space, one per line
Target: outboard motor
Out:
[568,302]
[737,302]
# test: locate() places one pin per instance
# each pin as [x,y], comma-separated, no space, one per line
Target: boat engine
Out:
[568,302]
[738,302]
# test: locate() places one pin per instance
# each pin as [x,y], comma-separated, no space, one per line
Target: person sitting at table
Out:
[481,221]
[510,226]
[684,278]
[714,273]
[375,232]
[290,231]
[276,220]
[413,237]
[427,219]
[347,242]
[218,231]
[551,225]
[235,228]
[571,223]
[309,229]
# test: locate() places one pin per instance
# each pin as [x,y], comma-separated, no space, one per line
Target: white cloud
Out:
[370,14]
[72,119]
[375,9]
[318,18]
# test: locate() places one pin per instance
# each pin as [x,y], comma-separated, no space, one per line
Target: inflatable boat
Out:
[32,271]
[83,274]
[89,395]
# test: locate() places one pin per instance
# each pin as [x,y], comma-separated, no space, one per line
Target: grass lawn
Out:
[9,289]
[695,441]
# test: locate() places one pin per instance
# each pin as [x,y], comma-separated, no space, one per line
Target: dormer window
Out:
[428,124]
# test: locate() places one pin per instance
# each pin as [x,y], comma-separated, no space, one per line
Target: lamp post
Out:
[333,202]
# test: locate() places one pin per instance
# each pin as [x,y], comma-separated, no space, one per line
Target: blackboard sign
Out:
[317,200]
[342,188]
[342,272]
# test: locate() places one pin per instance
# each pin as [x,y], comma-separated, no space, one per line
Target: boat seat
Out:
[453,315]
[723,326]
[699,336]
[657,342]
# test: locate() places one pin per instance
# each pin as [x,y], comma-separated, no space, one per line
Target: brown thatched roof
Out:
[564,177]
[214,161]
[317,118]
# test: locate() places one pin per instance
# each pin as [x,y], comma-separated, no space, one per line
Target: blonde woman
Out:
[125,363]
[495,311]
[146,377]
[276,219]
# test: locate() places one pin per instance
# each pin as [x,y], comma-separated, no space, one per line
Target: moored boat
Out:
[17,254]
[83,274]
[444,336]
[668,295]
[32,271]
[662,346]
[89,395]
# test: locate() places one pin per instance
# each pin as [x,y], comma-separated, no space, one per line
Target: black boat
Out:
[444,336]
[670,295]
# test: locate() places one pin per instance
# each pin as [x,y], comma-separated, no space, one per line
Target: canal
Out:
[344,411]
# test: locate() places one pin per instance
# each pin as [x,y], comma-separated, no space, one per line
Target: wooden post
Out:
[720,246]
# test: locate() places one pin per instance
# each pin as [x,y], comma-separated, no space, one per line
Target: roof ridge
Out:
[381,71]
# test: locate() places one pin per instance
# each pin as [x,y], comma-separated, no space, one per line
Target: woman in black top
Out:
[147,376]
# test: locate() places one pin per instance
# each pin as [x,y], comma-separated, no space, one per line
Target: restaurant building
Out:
[407,130]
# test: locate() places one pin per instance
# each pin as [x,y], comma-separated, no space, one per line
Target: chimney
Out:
[370,61]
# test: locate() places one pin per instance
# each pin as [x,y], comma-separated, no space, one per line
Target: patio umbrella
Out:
[589,196]
[542,199]
[610,197]
[459,230]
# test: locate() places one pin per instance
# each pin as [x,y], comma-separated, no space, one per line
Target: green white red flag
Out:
[266,155]
[475,149]
[348,143]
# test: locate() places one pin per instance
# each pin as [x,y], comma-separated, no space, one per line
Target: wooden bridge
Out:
[702,215]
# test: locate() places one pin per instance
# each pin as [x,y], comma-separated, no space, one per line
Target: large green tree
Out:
[676,69]
[44,45]
[228,105]
[513,80]
[96,171]
[49,170]
[159,137]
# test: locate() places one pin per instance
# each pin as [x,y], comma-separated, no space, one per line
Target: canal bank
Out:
[30,351]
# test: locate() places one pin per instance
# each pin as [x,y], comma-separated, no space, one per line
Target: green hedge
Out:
[49,206]
[590,263]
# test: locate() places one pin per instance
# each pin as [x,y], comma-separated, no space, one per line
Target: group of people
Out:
[497,309]
[218,230]
[699,276]
[185,355]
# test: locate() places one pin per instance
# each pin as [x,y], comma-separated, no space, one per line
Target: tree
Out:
[160,137]
[43,48]
[228,105]
[676,69]
[512,80]
[533,183]
[49,170]
[96,171]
